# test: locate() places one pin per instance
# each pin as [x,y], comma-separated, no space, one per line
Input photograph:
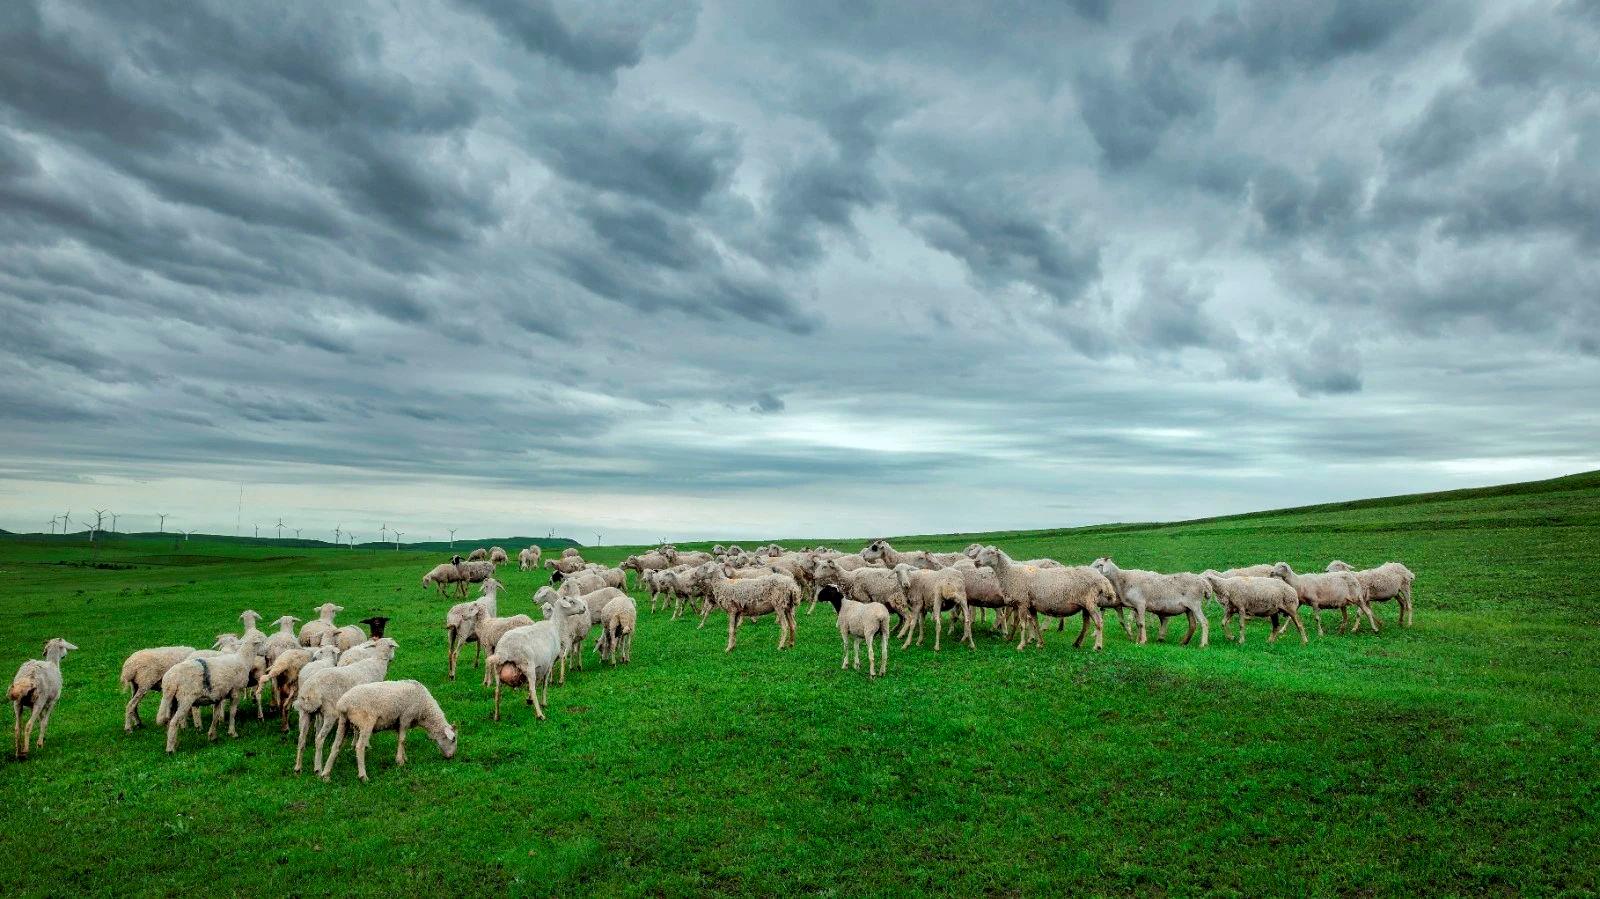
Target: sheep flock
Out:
[335,677]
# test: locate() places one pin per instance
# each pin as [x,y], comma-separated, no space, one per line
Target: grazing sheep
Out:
[36,687]
[528,559]
[1332,590]
[1263,597]
[320,691]
[389,705]
[478,555]
[770,594]
[617,621]
[219,680]
[860,622]
[497,556]
[929,590]
[1391,580]
[142,673]
[311,632]
[1054,591]
[1165,595]
[285,671]
[446,574]
[565,565]
[527,654]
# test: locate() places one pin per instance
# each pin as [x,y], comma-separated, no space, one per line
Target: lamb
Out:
[929,590]
[286,669]
[617,621]
[1263,597]
[528,558]
[497,556]
[311,632]
[37,687]
[527,654]
[1332,590]
[775,594]
[320,691]
[860,622]
[1164,594]
[460,623]
[389,705]
[1054,591]
[142,672]
[887,587]
[214,680]
[478,555]
[1391,580]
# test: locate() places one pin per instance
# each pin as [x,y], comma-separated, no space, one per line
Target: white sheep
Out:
[37,687]
[142,672]
[1054,591]
[770,594]
[497,556]
[1264,570]
[617,621]
[930,590]
[460,623]
[311,632]
[488,631]
[530,653]
[1332,590]
[528,559]
[478,555]
[285,671]
[1165,595]
[577,626]
[860,622]
[1263,597]
[220,680]
[888,587]
[319,694]
[1391,580]
[389,705]
[446,574]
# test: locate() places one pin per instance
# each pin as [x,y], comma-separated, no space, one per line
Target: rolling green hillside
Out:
[1457,756]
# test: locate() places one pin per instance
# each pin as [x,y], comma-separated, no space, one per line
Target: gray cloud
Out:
[763,268]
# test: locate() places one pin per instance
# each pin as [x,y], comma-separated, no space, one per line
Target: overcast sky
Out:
[739,269]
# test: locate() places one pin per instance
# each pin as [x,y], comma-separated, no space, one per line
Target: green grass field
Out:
[1458,756]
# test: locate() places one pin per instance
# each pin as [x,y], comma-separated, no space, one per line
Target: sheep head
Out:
[1282,571]
[57,648]
[1337,565]
[249,617]
[989,557]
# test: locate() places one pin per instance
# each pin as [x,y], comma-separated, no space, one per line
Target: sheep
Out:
[860,622]
[311,632]
[577,625]
[840,561]
[655,560]
[488,631]
[37,687]
[1391,580]
[592,579]
[1331,590]
[565,565]
[497,556]
[1164,594]
[389,705]
[286,669]
[478,555]
[528,558]
[348,636]
[887,587]
[528,653]
[982,586]
[142,672]
[474,573]
[1263,597]
[879,552]
[775,594]
[1249,571]
[571,552]
[460,623]
[694,557]
[929,590]
[319,694]
[617,621]
[1054,591]
[678,584]
[281,641]
[445,574]
[214,680]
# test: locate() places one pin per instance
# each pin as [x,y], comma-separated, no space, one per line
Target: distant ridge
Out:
[509,544]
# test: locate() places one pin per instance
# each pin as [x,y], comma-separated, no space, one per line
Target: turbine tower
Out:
[163,527]
[382,533]
[280,527]
[452,539]
[397,536]
[336,533]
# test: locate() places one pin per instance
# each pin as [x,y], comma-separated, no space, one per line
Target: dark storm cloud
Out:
[682,249]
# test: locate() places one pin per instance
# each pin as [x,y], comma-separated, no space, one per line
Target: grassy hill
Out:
[1455,756]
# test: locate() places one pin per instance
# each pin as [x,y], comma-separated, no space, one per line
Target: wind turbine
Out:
[64,522]
[352,536]
[53,529]
[280,527]
[452,539]
[397,536]
[186,535]
[99,518]
[113,522]
[258,531]
[336,533]
[297,533]
[382,532]
[163,517]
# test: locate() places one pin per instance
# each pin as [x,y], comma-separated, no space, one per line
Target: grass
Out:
[1458,756]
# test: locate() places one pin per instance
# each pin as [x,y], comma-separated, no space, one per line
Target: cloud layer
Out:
[678,268]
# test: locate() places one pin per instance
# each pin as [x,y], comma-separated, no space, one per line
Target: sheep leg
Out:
[300,743]
[324,724]
[175,723]
[547,674]
[496,716]
[533,693]
[1082,631]
[733,629]
[1344,618]
[450,656]
[1227,617]
[19,742]
[1161,628]
[705,612]
[883,649]
[130,715]
[938,624]
[1099,627]
[477,652]
[909,627]
[1189,633]
[1294,615]
[217,711]
[333,751]
[1404,599]
[233,714]
[1367,607]
[855,650]
[363,739]
[1138,612]
[872,662]
[844,641]
[44,720]
[1317,610]
[1244,617]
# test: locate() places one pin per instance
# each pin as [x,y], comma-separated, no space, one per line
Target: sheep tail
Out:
[20,690]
